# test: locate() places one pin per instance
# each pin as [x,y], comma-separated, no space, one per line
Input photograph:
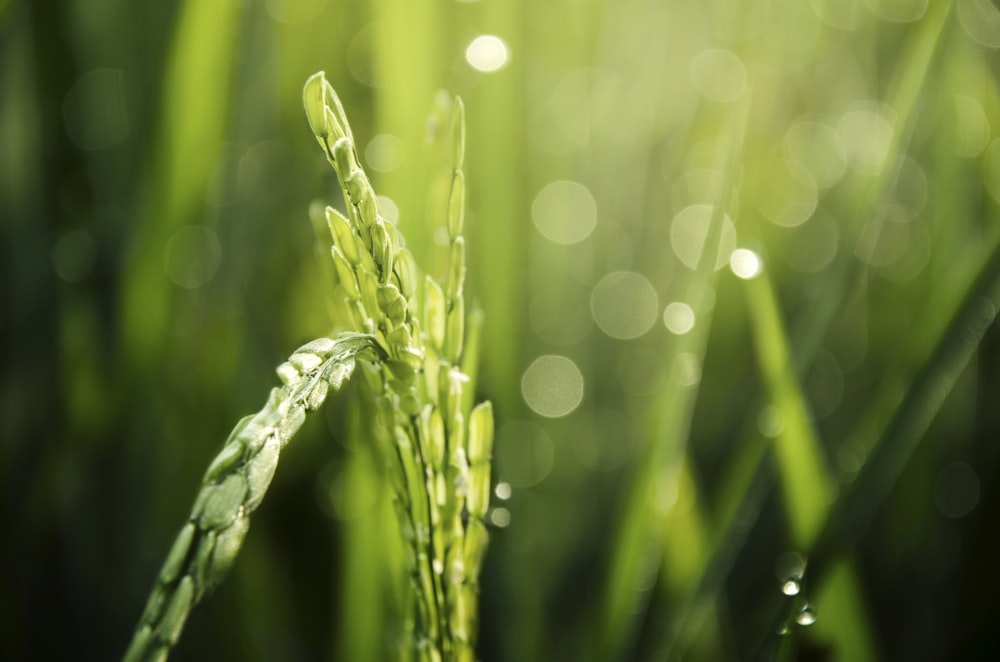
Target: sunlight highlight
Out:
[745,263]
[487,53]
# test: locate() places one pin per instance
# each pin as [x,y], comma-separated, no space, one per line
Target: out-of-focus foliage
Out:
[672,438]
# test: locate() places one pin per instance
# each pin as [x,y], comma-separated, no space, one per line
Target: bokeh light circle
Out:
[688,232]
[564,212]
[719,75]
[552,386]
[487,53]
[678,317]
[624,304]
[192,256]
[525,454]
[745,263]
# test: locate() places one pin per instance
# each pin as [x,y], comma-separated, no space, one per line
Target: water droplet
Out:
[503,491]
[791,587]
[806,615]
[783,630]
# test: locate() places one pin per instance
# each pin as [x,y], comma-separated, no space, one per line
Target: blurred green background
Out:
[673,439]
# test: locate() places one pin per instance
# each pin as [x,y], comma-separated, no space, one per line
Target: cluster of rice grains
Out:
[233,487]
[437,445]
[440,444]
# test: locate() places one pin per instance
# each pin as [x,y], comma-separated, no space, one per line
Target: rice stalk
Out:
[437,444]
[234,485]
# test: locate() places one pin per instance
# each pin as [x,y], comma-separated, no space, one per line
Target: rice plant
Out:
[737,263]
[437,444]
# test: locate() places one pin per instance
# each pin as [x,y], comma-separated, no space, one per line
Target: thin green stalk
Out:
[905,95]
[859,505]
[184,151]
[664,452]
[234,485]
[436,445]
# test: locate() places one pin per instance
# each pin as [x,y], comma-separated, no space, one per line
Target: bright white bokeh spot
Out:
[192,256]
[564,212]
[956,490]
[384,153]
[898,11]
[678,317]
[745,263]
[791,587]
[487,53]
[806,615]
[552,386]
[981,20]
[502,490]
[719,75]
[624,304]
